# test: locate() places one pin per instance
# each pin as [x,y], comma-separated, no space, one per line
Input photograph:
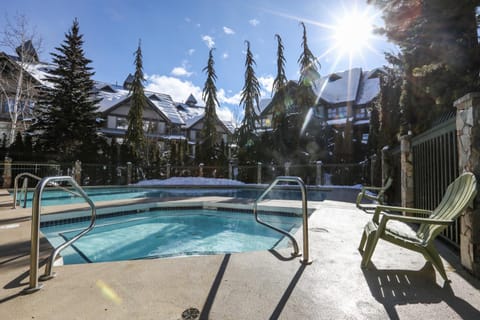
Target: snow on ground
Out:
[200,181]
[190,181]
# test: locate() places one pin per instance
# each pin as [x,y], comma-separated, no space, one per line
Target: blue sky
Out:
[176,37]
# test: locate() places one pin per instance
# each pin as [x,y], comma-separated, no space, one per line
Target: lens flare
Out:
[108,292]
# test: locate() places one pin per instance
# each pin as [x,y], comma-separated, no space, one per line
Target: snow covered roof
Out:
[350,86]
[165,104]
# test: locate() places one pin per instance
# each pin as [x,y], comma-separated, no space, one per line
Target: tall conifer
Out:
[135,136]
[209,95]
[67,115]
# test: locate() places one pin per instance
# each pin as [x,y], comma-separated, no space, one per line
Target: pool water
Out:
[164,233]
[59,197]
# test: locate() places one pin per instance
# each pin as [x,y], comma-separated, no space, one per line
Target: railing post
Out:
[230,170]
[373,167]
[406,160]
[287,168]
[468,139]
[7,172]
[319,176]
[78,172]
[200,170]
[259,172]
[169,167]
[129,172]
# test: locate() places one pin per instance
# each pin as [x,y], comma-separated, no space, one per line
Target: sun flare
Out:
[353,32]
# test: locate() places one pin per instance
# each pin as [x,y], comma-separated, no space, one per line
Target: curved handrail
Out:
[24,188]
[299,181]
[36,207]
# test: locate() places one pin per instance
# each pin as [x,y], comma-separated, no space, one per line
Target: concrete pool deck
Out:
[254,285]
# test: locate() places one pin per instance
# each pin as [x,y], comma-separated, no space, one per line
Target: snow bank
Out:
[190,181]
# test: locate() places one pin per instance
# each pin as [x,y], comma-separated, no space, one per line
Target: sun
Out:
[352,32]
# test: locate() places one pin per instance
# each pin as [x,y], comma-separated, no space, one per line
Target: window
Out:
[361,113]
[342,112]
[193,135]
[332,113]
[150,126]
[122,123]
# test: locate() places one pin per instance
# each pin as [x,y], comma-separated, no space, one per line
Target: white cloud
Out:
[254,22]
[208,41]
[228,30]
[266,84]
[181,72]
[191,52]
[225,55]
[178,89]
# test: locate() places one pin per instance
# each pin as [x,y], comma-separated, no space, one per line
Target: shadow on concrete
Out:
[401,287]
[207,307]
[281,257]
[288,292]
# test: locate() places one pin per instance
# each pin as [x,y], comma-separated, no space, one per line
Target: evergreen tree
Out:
[135,136]
[209,131]
[249,99]
[305,98]
[67,114]
[279,88]
[439,45]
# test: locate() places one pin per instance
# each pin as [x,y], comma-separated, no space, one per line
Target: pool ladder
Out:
[35,245]
[296,251]
[25,176]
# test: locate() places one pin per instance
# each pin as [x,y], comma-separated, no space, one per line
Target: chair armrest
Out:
[372,188]
[385,209]
[388,216]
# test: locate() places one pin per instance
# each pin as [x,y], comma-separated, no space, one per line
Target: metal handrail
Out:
[35,248]
[296,252]
[24,188]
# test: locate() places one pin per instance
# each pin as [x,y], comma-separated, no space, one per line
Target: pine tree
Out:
[67,114]
[135,136]
[249,99]
[279,88]
[209,95]
[305,98]
[439,45]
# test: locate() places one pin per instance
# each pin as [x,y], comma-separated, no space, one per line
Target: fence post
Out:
[468,139]
[373,165]
[129,172]
[230,170]
[406,160]
[259,172]
[200,170]
[287,168]
[319,177]
[7,172]
[169,167]
[78,172]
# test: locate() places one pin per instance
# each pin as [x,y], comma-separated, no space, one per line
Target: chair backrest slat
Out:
[457,197]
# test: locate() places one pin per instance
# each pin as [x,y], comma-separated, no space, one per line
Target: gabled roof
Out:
[340,87]
[191,100]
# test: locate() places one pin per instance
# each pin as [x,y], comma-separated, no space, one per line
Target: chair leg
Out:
[372,240]
[432,255]
[361,247]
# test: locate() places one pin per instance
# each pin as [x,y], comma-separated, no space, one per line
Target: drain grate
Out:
[190,314]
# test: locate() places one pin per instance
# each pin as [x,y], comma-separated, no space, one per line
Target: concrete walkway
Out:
[255,285]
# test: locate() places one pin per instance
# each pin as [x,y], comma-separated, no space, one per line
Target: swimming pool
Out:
[58,197]
[169,233]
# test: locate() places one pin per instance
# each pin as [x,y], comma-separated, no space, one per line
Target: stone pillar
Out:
[259,172]
[468,140]
[319,176]
[287,168]
[78,172]
[7,173]
[406,165]
[129,172]
[230,170]
[200,170]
